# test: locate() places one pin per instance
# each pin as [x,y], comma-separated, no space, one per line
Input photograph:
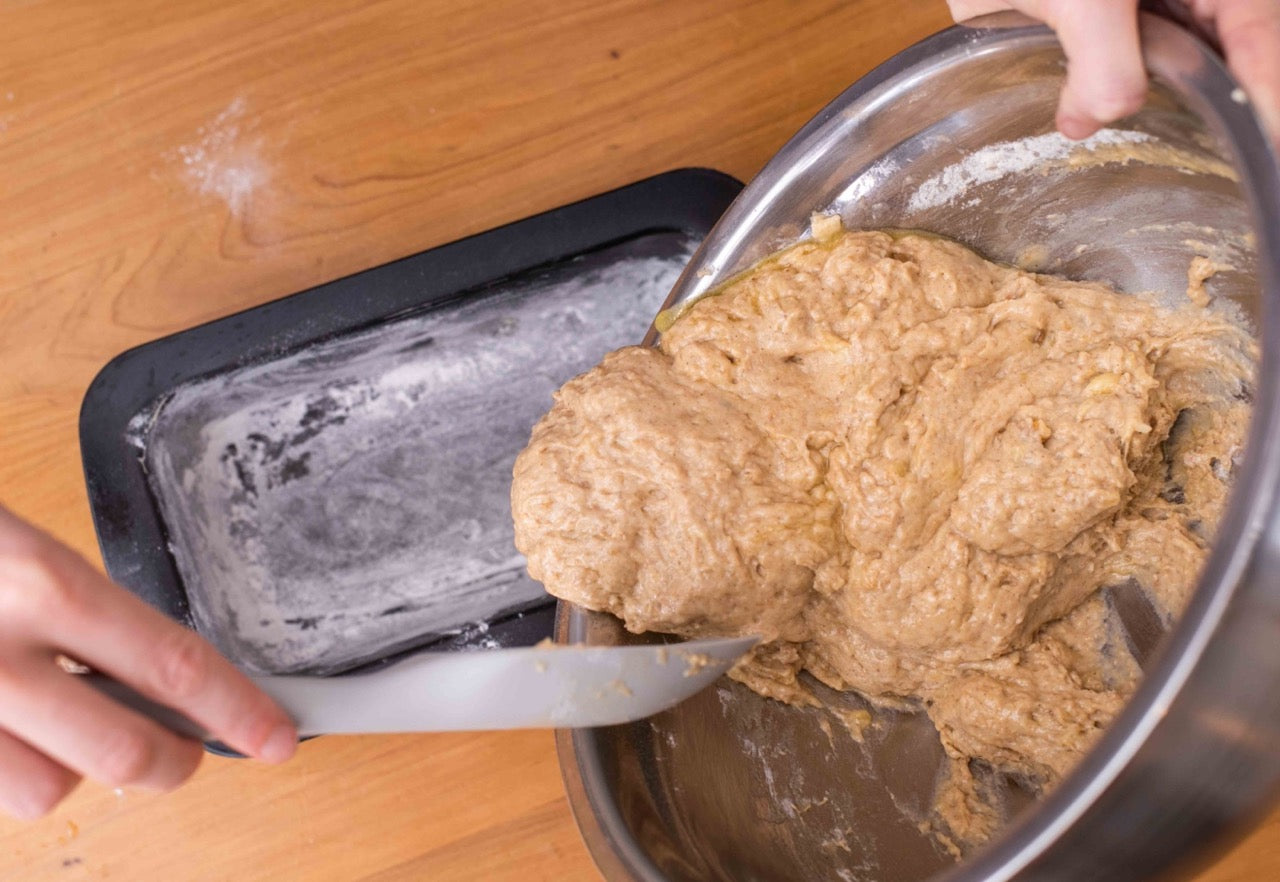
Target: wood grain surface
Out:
[165,162]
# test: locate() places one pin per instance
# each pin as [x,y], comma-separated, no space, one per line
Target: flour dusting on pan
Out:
[351,499]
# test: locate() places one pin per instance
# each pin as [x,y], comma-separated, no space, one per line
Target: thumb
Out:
[1105,75]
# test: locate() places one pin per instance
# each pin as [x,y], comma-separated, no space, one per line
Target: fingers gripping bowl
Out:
[955,136]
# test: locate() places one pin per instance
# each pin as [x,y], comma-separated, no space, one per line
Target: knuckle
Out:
[34,585]
[182,666]
[124,757]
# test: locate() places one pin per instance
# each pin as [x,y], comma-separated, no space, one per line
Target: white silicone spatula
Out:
[541,687]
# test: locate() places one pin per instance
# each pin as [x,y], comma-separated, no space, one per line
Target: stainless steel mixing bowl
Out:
[954,136]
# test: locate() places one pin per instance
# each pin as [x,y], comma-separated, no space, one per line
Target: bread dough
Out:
[910,470]
[1201,270]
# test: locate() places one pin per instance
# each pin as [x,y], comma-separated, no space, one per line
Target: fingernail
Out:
[280,744]
[1076,128]
[28,806]
[23,810]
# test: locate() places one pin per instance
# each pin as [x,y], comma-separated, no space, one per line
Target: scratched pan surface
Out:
[955,136]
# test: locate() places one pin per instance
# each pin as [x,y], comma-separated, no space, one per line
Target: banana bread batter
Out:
[910,470]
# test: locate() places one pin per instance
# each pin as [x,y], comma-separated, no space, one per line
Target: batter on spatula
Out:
[910,470]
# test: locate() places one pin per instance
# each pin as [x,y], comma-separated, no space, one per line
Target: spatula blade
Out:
[545,686]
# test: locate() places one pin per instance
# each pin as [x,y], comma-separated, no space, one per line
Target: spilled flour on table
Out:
[226,160]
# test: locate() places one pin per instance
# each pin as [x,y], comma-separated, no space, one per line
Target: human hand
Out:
[54,730]
[1105,76]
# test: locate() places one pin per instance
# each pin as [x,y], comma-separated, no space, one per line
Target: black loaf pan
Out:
[127,413]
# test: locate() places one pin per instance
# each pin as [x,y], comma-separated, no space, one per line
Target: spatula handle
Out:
[152,710]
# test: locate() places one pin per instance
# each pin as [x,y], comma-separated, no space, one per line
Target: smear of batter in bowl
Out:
[912,472]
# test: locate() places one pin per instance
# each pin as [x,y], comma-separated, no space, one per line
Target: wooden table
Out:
[163,163]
